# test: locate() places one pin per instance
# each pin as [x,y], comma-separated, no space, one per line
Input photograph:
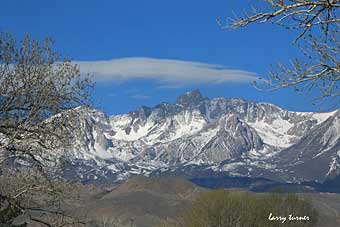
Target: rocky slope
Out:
[222,135]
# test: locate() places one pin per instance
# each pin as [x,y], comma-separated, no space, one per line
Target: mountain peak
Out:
[190,98]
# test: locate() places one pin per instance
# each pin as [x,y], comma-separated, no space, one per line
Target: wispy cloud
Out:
[165,71]
[139,96]
[112,95]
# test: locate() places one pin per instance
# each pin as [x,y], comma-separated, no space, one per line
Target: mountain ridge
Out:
[225,135]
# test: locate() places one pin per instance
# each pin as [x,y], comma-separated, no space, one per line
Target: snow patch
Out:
[274,134]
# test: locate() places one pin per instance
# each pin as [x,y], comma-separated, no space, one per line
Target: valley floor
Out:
[144,202]
[147,201]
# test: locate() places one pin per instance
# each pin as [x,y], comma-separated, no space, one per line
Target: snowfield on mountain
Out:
[231,135]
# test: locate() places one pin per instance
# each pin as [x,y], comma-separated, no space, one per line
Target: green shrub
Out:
[221,208]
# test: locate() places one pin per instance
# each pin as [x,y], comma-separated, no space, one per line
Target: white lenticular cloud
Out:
[165,71]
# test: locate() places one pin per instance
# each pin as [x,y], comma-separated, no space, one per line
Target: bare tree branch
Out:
[319,40]
[38,94]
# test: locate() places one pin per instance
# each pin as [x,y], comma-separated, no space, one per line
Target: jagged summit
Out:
[190,98]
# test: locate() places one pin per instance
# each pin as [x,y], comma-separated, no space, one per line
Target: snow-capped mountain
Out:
[220,134]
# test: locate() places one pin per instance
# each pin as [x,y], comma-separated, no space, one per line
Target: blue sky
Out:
[143,52]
